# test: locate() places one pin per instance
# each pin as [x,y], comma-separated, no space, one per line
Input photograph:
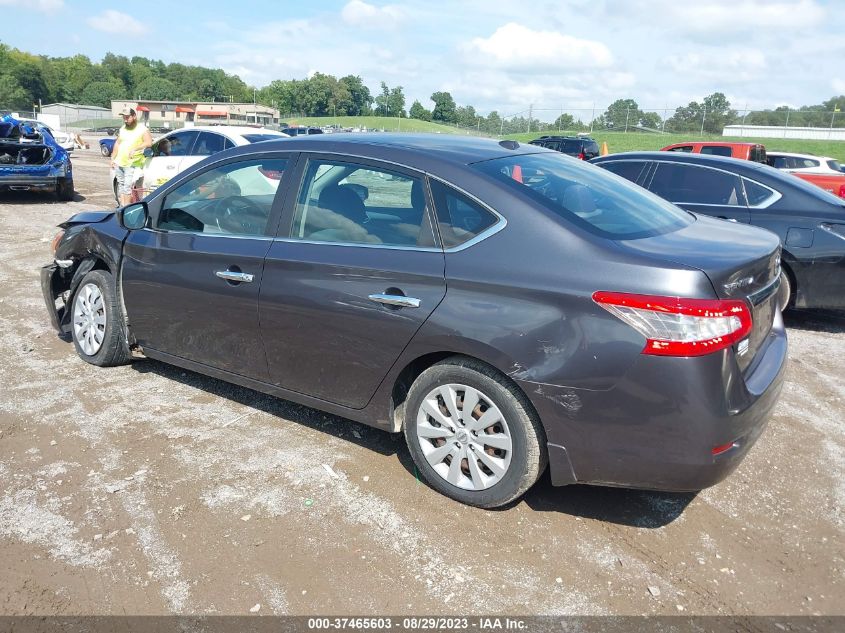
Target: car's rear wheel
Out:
[98,330]
[105,151]
[786,297]
[64,189]
[472,433]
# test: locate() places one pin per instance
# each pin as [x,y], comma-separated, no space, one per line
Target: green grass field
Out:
[388,124]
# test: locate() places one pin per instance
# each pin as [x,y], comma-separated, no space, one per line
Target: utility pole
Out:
[531,110]
[703,116]
[627,112]
[593,118]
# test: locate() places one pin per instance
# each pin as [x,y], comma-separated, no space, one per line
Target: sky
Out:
[503,55]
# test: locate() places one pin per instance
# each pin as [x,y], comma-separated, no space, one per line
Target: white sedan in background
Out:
[176,151]
[64,139]
[804,163]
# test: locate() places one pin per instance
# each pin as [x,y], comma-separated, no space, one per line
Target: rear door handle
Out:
[400,301]
[230,275]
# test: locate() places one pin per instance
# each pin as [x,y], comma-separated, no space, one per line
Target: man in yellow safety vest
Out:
[128,153]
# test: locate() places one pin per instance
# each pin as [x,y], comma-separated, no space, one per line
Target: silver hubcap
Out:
[89,319]
[464,437]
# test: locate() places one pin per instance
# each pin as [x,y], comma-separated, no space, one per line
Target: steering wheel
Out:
[239,215]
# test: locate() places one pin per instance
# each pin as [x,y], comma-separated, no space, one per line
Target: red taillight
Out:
[676,326]
[724,448]
[842,191]
[582,156]
[272,174]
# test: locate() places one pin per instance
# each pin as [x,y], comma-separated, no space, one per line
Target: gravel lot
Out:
[150,490]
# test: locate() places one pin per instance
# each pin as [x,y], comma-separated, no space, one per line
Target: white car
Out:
[804,163]
[176,151]
[62,138]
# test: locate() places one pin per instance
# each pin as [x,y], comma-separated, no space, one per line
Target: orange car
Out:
[833,183]
[745,151]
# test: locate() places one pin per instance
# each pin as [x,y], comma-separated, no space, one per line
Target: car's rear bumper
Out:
[23,182]
[658,427]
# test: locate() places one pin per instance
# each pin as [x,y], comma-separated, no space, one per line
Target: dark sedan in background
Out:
[504,306]
[809,221]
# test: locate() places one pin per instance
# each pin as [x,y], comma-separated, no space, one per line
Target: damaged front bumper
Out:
[53,287]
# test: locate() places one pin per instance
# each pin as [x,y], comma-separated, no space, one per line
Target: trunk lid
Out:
[741,262]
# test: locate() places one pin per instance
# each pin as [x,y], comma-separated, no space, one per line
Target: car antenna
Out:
[509,144]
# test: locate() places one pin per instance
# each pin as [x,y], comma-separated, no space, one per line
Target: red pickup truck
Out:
[831,182]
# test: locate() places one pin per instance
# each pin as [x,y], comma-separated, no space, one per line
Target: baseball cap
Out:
[127,111]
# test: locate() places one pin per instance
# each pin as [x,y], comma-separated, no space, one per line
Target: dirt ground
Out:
[151,490]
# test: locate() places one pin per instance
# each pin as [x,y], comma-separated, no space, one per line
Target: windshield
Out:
[591,197]
[257,138]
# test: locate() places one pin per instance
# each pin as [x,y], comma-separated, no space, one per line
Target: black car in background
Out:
[504,306]
[581,147]
[809,221]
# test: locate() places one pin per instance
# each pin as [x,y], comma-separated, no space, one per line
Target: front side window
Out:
[178,144]
[628,169]
[591,198]
[233,199]
[677,182]
[349,203]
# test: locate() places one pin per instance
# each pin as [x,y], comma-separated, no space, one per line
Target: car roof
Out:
[232,131]
[725,162]
[715,143]
[450,147]
[796,155]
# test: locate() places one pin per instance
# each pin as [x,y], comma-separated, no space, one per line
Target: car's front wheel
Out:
[472,433]
[105,151]
[98,330]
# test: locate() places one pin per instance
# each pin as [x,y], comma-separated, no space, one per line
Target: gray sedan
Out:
[505,307]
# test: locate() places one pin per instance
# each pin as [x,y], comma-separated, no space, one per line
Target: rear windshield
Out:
[758,154]
[594,199]
[834,165]
[257,138]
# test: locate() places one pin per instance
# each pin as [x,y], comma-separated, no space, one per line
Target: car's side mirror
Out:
[133,216]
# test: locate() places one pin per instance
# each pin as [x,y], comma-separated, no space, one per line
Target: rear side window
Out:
[459,218]
[716,150]
[571,147]
[257,138]
[696,185]
[628,169]
[591,198]
[209,143]
[756,193]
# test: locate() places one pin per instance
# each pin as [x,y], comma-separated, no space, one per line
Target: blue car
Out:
[32,160]
[107,145]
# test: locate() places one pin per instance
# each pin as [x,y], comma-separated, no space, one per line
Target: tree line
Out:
[26,79]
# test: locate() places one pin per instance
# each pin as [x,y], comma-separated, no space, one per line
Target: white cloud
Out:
[117,23]
[514,46]
[729,16]
[361,14]
[46,6]
[726,66]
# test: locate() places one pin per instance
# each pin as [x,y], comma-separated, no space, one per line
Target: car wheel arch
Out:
[412,370]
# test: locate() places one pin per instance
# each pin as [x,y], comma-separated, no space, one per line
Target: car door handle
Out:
[171,167]
[230,275]
[400,301]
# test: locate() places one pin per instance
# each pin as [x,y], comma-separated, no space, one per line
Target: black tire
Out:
[64,189]
[105,151]
[113,349]
[528,455]
[785,291]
